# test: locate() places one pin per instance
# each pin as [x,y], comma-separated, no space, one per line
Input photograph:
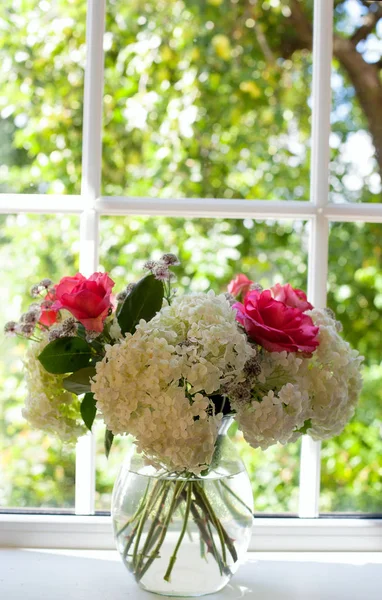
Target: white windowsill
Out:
[37,574]
[272,534]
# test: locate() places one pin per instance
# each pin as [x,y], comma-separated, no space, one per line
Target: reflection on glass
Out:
[211,253]
[206,99]
[356,138]
[37,470]
[352,463]
[41,88]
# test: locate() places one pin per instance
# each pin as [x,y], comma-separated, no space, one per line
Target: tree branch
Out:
[365,79]
[364,76]
[368,4]
[262,41]
[261,38]
[369,23]
[301,23]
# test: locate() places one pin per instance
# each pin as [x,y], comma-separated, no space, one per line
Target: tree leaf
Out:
[109,437]
[79,382]
[88,410]
[65,355]
[143,302]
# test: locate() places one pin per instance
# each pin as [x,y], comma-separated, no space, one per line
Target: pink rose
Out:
[291,296]
[239,285]
[276,326]
[48,313]
[89,300]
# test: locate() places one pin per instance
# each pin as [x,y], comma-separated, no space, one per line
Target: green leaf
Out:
[65,355]
[109,437]
[307,425]
[88,410]
[143,302]
[79,382]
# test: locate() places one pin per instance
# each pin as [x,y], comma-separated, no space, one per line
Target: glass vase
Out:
[182,534]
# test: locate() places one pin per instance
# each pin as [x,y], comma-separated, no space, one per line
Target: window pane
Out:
[37,470]
[211,253]
[356,139]
[206,99]
[41,88]
[352,462]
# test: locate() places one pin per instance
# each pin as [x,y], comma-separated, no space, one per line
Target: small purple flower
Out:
[162,273]
[69,327]
[252,367]
[55,333]
[170,259]
[27,329]
[150,265]
[32,316]
[46,304]
[46,283]
[10,328]
[35,291]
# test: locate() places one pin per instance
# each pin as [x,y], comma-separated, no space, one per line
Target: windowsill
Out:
[38,574]
[269,534]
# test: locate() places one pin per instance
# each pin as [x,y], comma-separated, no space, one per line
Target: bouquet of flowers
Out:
[168,369]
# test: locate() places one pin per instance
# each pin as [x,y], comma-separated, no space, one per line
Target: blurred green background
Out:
[206,98]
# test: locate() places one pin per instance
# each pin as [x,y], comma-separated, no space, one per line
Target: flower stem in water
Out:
[184,528]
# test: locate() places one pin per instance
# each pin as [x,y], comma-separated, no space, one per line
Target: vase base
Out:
[191,578]
[177,594]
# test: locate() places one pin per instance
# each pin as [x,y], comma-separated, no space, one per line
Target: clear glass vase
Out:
[183,535]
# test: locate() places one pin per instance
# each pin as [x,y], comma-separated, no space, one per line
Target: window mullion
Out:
[319,227]
[90,191]
[205,207]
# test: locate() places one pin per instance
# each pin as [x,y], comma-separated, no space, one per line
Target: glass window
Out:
[204,99]
[352,461]
[201,101]
[37,470]
[41,89]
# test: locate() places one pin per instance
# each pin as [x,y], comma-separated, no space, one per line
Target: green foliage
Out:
[41,99]
[143,302]
[79,382]
[88,410]
[108,442]
[66,355]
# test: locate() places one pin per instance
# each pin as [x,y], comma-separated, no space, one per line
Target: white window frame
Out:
[306,532]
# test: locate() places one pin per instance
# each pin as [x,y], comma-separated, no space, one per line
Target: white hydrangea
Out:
[332,378]
[155,382]
[278,364]
[204,330]
[292,393]
[274,418]
[48,405]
